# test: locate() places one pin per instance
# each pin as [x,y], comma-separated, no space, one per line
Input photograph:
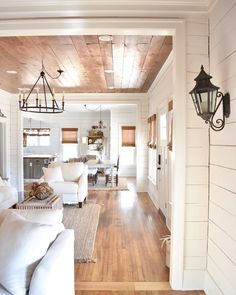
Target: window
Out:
[152,137]
[69,135]
[70,151]
[128,136]
[70,143]
[36,137]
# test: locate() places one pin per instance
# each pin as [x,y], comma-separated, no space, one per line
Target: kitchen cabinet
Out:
[33,166]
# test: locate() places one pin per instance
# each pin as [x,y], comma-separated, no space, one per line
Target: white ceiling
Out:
[79,108]
[23,9]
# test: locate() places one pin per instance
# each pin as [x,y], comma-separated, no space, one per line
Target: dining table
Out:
[102,165]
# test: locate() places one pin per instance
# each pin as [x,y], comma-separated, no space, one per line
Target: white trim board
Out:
[175,27]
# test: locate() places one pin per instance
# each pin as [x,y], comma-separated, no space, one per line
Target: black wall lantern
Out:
[207,98]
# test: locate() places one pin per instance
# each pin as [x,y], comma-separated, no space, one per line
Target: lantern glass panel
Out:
[203,98]
[196,104]
[213,104]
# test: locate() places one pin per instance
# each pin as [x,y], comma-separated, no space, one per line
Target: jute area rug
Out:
[84,221]
[100,185]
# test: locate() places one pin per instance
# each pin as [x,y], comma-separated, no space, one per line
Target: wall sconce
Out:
[205,97]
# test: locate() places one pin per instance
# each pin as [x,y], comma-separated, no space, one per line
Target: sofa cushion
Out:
[70,171]
[68,187]
[22,246]
[52,174]
[7,192]
[50,217]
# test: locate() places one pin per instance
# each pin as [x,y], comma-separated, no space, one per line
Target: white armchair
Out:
[71,184]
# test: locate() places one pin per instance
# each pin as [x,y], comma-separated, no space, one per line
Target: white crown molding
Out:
[13,9]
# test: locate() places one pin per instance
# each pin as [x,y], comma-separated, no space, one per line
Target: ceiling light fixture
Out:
[109,71]
[205,97]
[11,72]
[41,104]
[105,38]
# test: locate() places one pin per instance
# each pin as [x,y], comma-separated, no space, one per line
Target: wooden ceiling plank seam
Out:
[62,60]
[129,57]
[138,63]
[118,60]
[106,55]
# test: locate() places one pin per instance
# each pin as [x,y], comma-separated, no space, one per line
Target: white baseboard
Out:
[193,279]
[153,199]
[210,286]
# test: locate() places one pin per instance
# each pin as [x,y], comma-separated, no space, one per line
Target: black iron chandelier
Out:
[207,99]
[41,103]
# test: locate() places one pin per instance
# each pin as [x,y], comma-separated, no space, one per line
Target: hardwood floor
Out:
[140,293]
[128,248]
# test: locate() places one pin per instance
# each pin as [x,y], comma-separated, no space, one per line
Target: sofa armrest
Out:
[55,273]
[83,185]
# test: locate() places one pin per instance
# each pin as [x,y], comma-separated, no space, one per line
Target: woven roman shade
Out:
[152,137]
[69,135]
[128,135]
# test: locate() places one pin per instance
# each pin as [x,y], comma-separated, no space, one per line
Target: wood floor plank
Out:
[139,293]
[123,286]
[128,246]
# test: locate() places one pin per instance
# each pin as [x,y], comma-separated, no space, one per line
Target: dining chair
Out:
[93,175]
[108,171]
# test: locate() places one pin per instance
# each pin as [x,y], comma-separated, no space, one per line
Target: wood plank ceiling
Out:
[125,64]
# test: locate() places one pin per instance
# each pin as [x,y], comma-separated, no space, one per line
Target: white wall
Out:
[196,199]
[81,120]
[159,95]
[122,117]
[221,263]
[5,106]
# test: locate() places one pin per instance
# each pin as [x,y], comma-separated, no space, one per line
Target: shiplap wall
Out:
[141,148]
[5,106]
[221,263]
[196,201]
[159,95]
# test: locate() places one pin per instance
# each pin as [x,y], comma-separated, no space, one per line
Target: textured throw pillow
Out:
[52,174]
[22,246]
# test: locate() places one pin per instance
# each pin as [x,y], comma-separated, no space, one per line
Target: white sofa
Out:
[72,184]
[54,274]
[8,195]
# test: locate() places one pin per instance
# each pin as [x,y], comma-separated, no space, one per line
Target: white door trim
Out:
[145,26]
